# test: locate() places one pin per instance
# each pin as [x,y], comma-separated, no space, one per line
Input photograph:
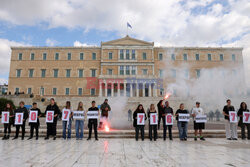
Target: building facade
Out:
[122,67]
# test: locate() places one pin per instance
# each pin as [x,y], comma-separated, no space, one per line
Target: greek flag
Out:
[128,25]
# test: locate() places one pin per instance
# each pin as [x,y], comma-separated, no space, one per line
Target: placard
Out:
[246,117]
[169,119]
[19,119]
[65,114]
[33,116]
[78,115]
[92,115]
[49,116]
[153,119]
[140,119]
[183,117]
[201,119]
[233,117]
[5,117]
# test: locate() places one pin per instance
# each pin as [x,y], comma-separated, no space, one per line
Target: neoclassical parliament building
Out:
[122,67]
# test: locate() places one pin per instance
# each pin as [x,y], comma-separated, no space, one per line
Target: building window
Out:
[69,56]
[121,54]
[110,71]
[160,56]
[209,57]
[221,57]
[93,73]
[93,56]
[133,54]
[186,74]
[173,73]
[67,91]
[198,73]
[18,73]
[233,57]
[79,91]
[17,90]
[20,56]
[144,56]
[133,70]
[110,55]
[162,92]
[55,73]
[81,56]
[31,72]
[127,70]
[44,56]
[29,91]
[127,54]
[54,91]
[173,57]
[121,70]
[56,56]
[161,73]
[68,73]
[185,57]
[32,56]
[92,91]
[197,57]
[80,73]
[43,74]
[144,71]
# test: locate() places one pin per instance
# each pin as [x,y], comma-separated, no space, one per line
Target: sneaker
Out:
[171,138]
[4,138]
[29,138]
[22,138]
[234,139]
[54,138]
[229,139]
[46,138]
[14,138]
[185,139]
[36,138]
[202,138]
[8,136]
[96,139]
[195,138]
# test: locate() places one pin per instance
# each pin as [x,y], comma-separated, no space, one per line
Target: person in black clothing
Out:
[105,108]
[139,109]
[23,110]
[7,126]
[182,126]
[231,128]
[160,107]
[51,127]
[93,122]
[243,108]
[35,125]
[167,110]
[152,127]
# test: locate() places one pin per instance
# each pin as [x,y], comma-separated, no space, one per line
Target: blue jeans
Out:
[64,125]
[79,126]
[182,126]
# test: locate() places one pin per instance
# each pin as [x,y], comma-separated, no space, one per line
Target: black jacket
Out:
[149,115]
[135,117]
[160,108]
[24,111]
[56,110]
[240,114]
[179,111]
[39,114]
[226,109]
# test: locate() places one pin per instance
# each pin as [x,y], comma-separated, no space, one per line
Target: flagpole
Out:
[127,30]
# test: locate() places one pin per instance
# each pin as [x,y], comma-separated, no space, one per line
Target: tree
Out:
[3,102]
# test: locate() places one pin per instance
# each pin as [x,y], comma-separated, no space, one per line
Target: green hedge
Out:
[3,103]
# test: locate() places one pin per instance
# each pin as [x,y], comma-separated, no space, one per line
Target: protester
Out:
[35,125]
[152,127]
[21,109]
[182,126]
[231,128]
[160,107]
[139,109]
[105,108]
[167,110]
[79,123]
[198,111]
[51,127]
[129,115]
[7,126]
[67,124]
[93,122]
[243,108]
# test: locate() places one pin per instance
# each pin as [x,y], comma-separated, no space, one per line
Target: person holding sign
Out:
[67,116]
[7,119]
[198,111]
[243,109]
[51,127]
[24,111]
[139,122]
[35,114]
[160,107]
[182,125]
[93,121]
[167,110]
[105,108]
[231,128]
[79,122]
[152,121]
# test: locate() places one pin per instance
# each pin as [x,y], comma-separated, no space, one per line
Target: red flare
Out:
[106,128]
[167,96]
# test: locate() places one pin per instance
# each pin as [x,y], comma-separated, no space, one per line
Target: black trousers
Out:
[141,128]
[243,133]
[18,128]
[7,127]
[32,127]
[152,128]
[165,127]
[92,122]
[51,129]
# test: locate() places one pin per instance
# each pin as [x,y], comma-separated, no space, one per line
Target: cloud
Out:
[51,42]
[78,44]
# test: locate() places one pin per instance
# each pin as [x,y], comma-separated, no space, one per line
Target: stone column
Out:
[131,90]
[125,89]
[149,89]
[118,89]
[137,89]
[155,90]
[100,89]
[112,89]
[106,89]
[143,89]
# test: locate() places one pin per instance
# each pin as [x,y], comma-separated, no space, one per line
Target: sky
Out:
[88,22]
